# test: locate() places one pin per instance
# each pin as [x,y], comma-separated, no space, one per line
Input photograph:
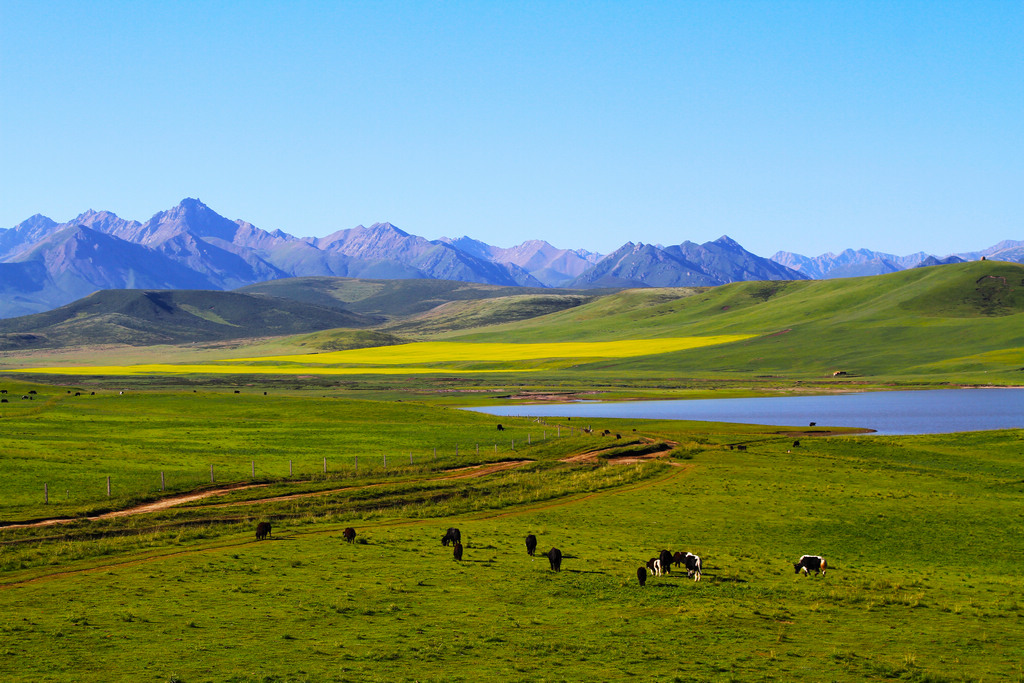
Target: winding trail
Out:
[107,564]
[176,500]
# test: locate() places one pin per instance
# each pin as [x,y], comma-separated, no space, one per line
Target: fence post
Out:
[478,450]
[46,493]
[435,452]
[325,464]
[253,469]
[289,468]
[108,487]
[357,464]
[410,457]
[385,461]
[495,449]
[211,472]
[162,486]
[456,450]
[528,440]
[513,444]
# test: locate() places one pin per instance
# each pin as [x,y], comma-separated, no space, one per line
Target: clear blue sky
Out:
[801,126]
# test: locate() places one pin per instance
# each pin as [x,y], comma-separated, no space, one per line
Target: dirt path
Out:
[592,456]
[173,501]
[221,544]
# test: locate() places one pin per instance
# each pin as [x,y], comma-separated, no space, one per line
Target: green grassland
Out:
[922,535]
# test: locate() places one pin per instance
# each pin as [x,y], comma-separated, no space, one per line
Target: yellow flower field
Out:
[417,358]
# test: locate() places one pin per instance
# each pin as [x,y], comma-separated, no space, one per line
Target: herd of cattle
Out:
[656,566]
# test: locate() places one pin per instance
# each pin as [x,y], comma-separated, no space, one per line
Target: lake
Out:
[936,411]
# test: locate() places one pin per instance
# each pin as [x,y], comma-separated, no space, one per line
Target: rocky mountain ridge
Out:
[45,264]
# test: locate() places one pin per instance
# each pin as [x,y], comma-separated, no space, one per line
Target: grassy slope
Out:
[929,321]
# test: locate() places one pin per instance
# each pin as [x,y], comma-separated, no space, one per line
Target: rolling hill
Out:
[149,317]
[966,317]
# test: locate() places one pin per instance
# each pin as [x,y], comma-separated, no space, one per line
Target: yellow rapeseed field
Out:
[417,358]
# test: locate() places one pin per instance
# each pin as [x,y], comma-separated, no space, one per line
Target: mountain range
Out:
[45,264]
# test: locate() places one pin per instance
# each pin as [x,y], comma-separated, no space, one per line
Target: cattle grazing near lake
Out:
[457,552]
[555,558]
[810,563]
[641,575]
[531,545]
[262,530]
[350,534]
[451,536]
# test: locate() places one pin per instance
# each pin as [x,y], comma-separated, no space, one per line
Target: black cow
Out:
[555,558]
[531,545]
[262,530]
[666,561]
[693,565]
[500,428]
[677,559]
[641,575]
[810,563]
[796,443]
[451,536]
[350,534]
[457,553]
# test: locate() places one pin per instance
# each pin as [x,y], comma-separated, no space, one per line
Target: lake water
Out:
[937,411]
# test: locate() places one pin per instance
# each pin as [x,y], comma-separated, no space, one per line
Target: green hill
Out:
[396,299]
[148,317]
[965,317]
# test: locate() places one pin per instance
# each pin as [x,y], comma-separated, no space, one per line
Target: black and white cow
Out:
[451,536]
[693,565]
[810,563]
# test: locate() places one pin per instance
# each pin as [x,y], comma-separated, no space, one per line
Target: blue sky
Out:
[800,126]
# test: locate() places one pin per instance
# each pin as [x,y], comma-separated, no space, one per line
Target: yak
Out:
[531,545]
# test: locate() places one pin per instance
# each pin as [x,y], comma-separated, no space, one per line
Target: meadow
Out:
[922,535]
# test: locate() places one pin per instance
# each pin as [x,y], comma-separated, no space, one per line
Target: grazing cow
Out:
[650,565]
[666,561]
[657,568]
[500,428]
[262,530]
[810,563]
[555,558]
[457,553]
[796,443]
[350,534]
[451,536]
[677,558]
[531,544]
[741,447]
[3,400]
[641,575]
[693,566]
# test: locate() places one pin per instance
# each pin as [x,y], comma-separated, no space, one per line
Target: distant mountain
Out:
[683,265]
[552,266]
[863,262]
[45,264]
